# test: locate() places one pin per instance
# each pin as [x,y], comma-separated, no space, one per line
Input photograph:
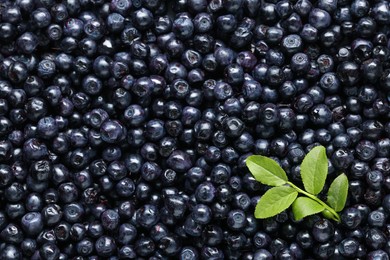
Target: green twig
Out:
[313,197]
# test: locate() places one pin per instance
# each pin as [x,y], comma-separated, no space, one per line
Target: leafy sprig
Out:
[314,170]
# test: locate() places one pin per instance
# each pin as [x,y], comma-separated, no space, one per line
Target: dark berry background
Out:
[125,125]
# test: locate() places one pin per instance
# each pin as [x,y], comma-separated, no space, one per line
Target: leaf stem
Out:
[326,206]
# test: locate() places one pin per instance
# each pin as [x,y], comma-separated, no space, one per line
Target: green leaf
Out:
[304,206]
[266,170]
[337,193]
[327,214]
[314,169]
[274,201]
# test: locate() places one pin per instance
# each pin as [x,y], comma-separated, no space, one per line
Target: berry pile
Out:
[125,125]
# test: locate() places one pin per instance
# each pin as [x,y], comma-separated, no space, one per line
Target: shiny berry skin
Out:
[236,219]
[375,179]
[32,223]
[224,56]
[292,44]
[110,219]
[112,131]
[155,130]
[183,27]
[203,130]
[10,252]
[28,246]
[144,246]
[376,218]
[322,230]
[179,161]
[377,254]
[300,63]
[34,149]
[375,238]
[351,217]
[147,216]
[319,18]
[27,42]
[17,72]
[105,246]
[150,171]
[201,214]
[47,127]
[12,234]
[189,253]
[320,115]
[348,73]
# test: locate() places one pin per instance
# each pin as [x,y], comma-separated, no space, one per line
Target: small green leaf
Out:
[266,170]
[314,169]
[304,206]
[337,193]
[274,201]
[327,214]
